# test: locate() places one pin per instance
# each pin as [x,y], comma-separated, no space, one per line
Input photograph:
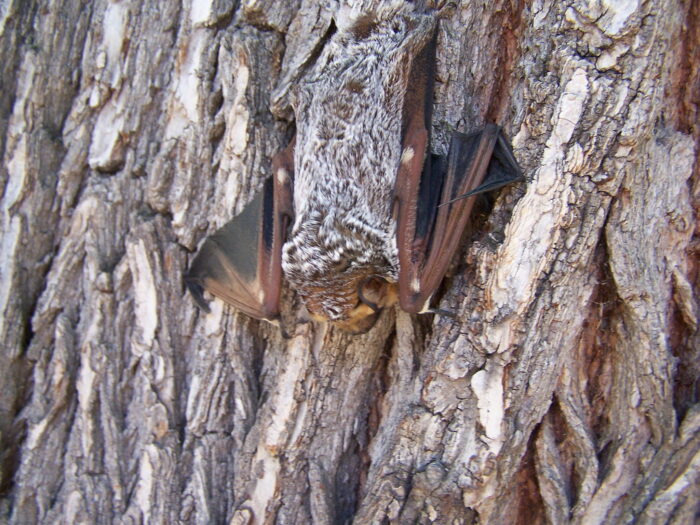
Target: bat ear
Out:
[241,263]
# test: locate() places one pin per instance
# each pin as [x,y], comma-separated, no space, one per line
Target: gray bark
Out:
[564,391]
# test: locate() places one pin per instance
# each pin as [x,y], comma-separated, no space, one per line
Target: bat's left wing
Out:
[434,200]
[241,263]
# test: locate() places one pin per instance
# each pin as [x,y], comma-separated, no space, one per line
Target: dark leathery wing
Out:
[231,264]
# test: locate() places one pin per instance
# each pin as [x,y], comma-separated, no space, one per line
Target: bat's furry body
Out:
[349,115]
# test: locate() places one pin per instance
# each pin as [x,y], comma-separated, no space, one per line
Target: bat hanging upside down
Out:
[358,213]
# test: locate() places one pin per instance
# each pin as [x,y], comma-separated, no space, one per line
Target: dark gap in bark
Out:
[684,345]
[317,50]
[378,387]
[683,94]
[566,453]
[351,469]
[683,90]
[13,434]
[224,21]
[21,39]
[605,310]
[529,506]
[509,21]
[257,361]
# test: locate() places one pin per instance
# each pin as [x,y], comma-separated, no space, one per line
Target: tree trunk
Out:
[566,388]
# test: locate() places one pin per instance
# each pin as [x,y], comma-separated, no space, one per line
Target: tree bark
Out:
[566,388]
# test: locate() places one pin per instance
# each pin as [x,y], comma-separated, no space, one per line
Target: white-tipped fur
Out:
[349,112]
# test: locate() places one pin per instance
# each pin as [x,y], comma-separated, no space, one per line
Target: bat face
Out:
[366,297]
[358,214]
[359,320]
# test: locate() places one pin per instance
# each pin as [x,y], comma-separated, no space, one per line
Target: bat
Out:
[358,214]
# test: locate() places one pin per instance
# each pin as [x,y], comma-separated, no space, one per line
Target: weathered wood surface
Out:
[565,391]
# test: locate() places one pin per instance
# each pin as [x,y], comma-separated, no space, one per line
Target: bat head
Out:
[336,263]
[353,306]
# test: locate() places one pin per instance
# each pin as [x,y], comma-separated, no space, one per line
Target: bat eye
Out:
[369,290]
[341,265]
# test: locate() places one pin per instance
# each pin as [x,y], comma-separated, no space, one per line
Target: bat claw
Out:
[440,311]
[197,292]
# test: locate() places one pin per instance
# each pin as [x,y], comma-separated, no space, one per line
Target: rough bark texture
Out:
[566,389]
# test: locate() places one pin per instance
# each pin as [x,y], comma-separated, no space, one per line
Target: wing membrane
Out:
[241,263]
[434,203]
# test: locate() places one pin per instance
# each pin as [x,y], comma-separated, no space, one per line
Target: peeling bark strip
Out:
[566,391]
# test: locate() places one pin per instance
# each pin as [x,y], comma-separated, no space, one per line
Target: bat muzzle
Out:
[358,320]
[365,299]
[361,320]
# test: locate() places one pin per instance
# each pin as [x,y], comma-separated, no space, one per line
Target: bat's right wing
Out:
[241,263]
[436,203]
